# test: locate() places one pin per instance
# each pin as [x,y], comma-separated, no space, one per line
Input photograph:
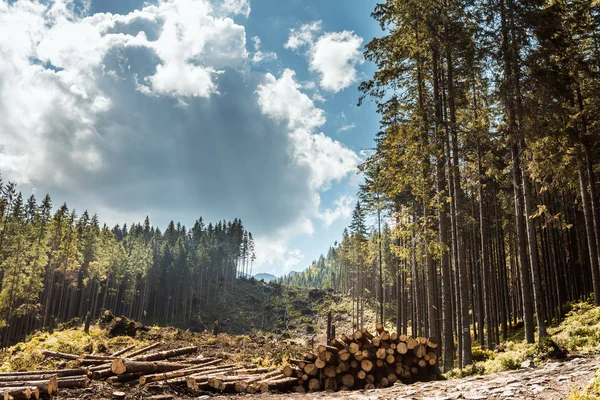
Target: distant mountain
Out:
[292,273]
[265,277]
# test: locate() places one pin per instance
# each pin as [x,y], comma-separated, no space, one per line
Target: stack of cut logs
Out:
[139,367]
[365,361]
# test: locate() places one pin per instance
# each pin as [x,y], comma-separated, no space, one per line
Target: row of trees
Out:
[485,165]
[55,266]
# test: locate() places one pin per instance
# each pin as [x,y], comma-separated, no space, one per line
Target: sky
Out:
[178,109]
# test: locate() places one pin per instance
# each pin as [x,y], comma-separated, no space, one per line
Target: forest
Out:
[58,266]
[482,188]
[478,210]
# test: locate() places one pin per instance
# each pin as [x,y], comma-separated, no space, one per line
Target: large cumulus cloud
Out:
[160,111]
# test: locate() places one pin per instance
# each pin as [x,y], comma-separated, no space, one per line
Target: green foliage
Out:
[54,268]
[591,391]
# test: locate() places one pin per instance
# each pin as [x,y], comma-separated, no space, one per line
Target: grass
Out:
[578,333]
[239,349]
[591,391]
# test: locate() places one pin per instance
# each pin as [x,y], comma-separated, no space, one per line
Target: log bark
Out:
[45,386]
[21,393]
[121,366]
[57,372]
[164,355]
[144,349]
[72,383]
[57,354]
[123,351]
[182,372]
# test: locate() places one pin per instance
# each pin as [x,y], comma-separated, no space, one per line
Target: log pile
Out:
[360,361]
[139,367]
[365,361]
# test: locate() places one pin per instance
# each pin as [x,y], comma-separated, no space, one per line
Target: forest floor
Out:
[549,381]
[293,321]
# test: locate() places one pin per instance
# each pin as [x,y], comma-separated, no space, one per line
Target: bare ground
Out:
[552,380]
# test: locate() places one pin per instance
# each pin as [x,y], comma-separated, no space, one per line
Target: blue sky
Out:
[184,108]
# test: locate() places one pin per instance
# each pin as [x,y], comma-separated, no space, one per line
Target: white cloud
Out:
[241,7]
[274,256]
[343,210]
[327,159]
[49,58]
[302,37]
[334,56]
[183,79]
[346,128]
[259,56]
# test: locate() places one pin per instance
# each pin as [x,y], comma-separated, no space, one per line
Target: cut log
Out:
[320,364]
[432,343]
[299,363]
[366,365]
[330,371]
[144,350]
[45,386]
[290,371]
[314,384]
[242,385]
[7,380]
[330,384]
[57,372]
[99,367]
[124,378]
[57,354]
[346,339]
[144,379]
[381,353]
[402,348]
[21,393]
[379,327]
[348,380]
[123,351]
[411,343]
[121,366]
[72,383]
[366,333]
[420,351]
[164,355]
[102,374]
[278,384]
[354,347]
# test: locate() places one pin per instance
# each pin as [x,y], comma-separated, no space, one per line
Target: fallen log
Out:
[164,355]
[144,350]
[72,383]
[57,372]
[45,386]
[278,384]
[123,351]
[126,366]
[241,386]
[21,393]
[57,354]
[180,373]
